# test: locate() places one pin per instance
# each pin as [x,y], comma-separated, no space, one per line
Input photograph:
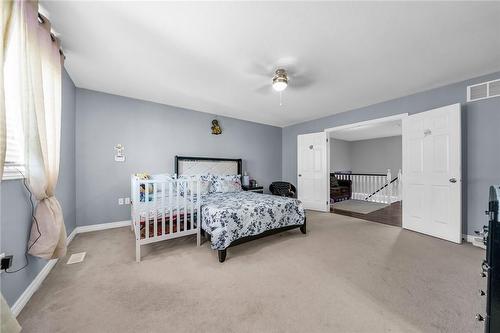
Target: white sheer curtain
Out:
[39,70]
[8,322]
[5,15]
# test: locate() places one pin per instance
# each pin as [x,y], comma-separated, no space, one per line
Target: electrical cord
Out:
[36,223]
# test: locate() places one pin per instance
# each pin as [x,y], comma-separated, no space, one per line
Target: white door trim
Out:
[367,122]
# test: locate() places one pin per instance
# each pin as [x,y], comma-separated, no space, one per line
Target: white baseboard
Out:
[474,240]
[33,287]
[102,226]
[71,236]
[37,281]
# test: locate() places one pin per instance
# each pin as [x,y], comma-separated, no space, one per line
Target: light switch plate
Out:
[120,201]
[127,201]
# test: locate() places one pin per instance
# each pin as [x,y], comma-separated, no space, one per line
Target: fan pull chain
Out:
[280,100]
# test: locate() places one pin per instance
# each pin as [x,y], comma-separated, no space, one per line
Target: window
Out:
[14,157]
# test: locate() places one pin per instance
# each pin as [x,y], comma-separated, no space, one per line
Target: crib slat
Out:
[163,208]
[185,204]
[198,215]
[178,221]
[191,220]
[155,211]
[146,213]
[171,215]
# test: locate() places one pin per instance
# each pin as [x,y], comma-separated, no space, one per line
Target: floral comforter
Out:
[230,216]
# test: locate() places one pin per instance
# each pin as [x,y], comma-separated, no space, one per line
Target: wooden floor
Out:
[391,214]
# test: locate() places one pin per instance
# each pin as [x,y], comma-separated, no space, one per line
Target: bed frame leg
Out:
[222,255]
[137,252]
[303,228]
[198,238]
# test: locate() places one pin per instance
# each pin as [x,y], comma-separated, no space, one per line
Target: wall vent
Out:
[483,90]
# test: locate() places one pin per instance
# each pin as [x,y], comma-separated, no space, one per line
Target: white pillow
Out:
[225,184]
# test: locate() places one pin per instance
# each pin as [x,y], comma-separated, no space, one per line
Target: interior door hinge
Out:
[326,139]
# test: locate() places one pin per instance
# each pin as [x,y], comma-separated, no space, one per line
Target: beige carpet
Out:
[345,275]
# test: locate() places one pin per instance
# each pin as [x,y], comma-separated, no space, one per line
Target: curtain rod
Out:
[41,19]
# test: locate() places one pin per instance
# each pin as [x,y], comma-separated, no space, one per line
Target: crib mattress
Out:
[231,216]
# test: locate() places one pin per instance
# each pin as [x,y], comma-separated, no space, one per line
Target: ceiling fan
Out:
[280,82]
[286,76]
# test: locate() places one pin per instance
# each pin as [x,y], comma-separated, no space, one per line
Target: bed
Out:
[232,218]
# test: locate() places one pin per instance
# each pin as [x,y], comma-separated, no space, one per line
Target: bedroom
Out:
[142,83]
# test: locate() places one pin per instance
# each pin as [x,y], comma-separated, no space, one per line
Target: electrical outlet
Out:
[127,201]
[120,201]
[6,262]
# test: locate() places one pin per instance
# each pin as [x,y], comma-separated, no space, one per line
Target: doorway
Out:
[429,181]
[365,168]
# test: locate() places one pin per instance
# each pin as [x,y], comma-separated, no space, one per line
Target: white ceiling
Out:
[368,131]
[219,57]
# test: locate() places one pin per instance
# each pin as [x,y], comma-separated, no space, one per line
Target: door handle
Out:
[300,175]
[453,180]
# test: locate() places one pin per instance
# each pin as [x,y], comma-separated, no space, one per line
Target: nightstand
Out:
[256,189]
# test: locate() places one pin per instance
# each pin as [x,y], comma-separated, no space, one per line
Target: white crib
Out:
[162,211]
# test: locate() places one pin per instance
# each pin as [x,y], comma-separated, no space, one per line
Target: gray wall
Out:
[366,156]
[377,155]
[340,155]
[152,135]
[15,223]
[481,120]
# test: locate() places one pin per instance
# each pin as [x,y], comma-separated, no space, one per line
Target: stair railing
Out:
[373,187]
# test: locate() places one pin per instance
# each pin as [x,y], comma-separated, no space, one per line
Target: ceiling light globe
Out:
[279,85]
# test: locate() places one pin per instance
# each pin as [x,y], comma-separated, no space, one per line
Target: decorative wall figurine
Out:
[216,130]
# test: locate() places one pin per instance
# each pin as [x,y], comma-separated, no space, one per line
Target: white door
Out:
[432,173]
[311,167]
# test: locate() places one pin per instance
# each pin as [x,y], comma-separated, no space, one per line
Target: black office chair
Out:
[283,189]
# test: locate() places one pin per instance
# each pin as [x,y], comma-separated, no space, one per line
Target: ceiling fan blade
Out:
[300,82]
[288,63]
[260,69]
[265,89]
